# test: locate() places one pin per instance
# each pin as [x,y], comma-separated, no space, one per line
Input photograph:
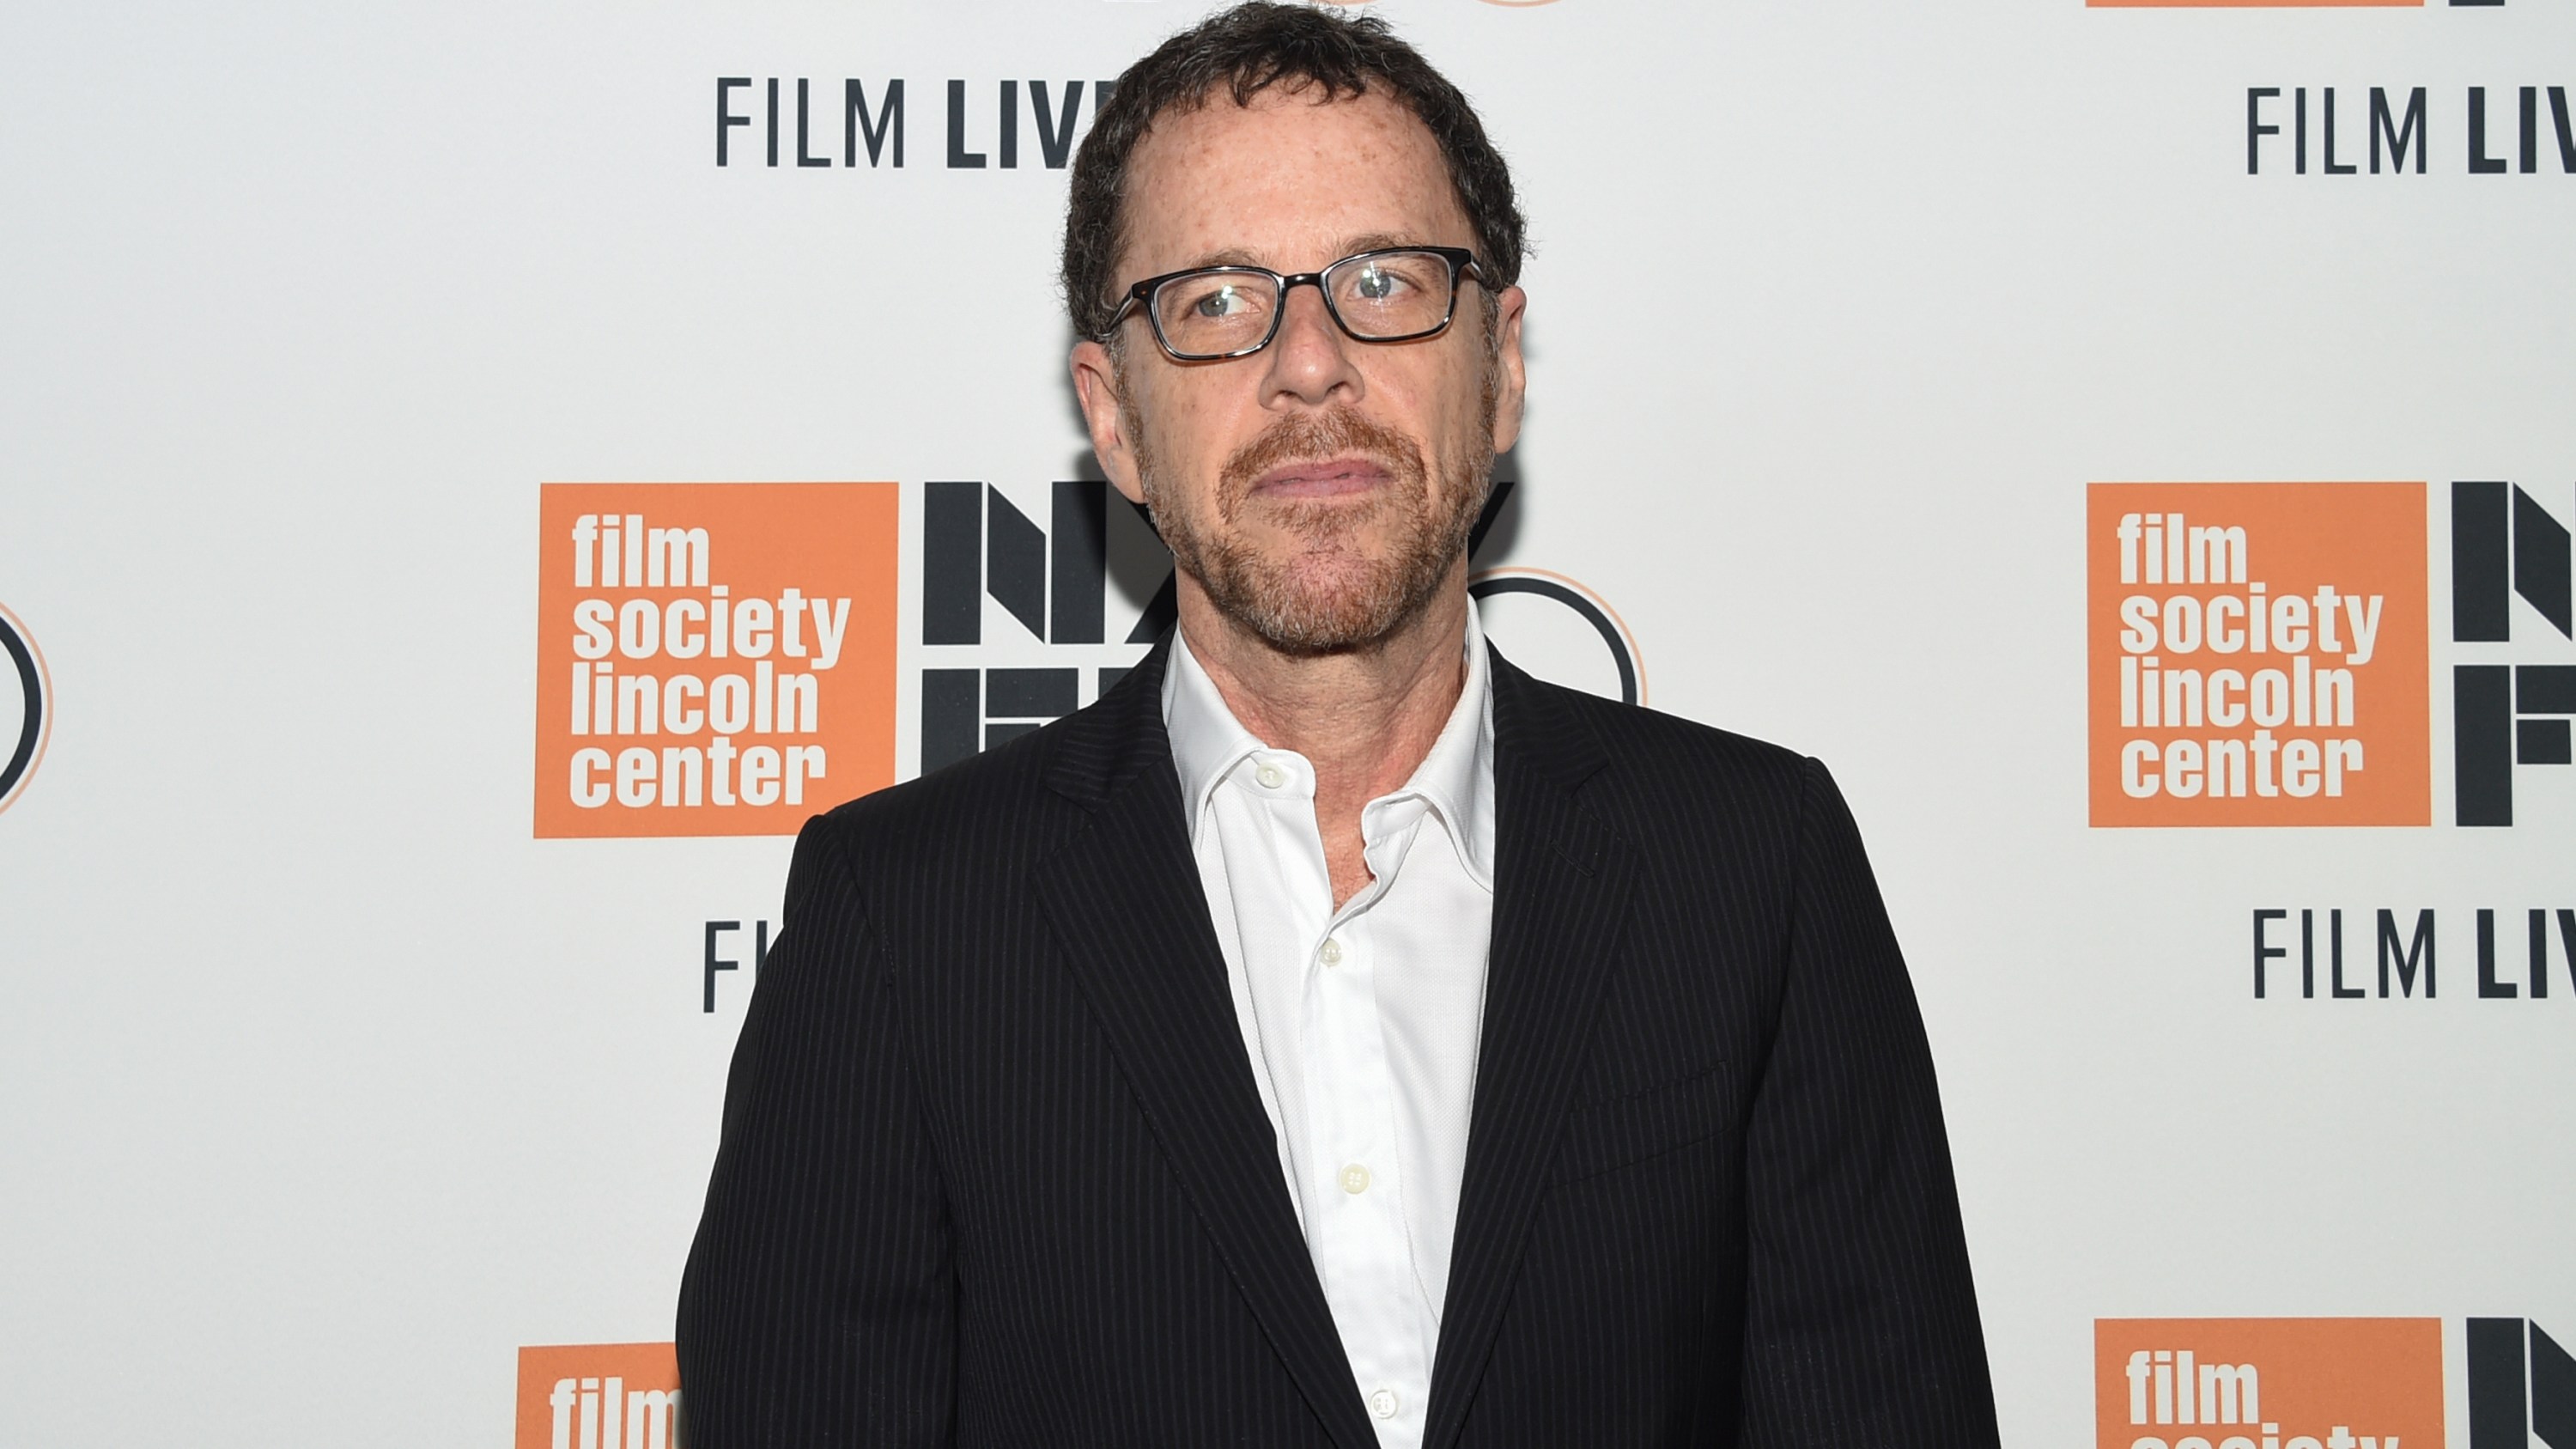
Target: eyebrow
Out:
[1351,246]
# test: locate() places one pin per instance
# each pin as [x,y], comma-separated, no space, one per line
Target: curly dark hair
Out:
[1249,49]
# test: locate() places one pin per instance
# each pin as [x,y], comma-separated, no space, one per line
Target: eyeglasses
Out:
[1208,314]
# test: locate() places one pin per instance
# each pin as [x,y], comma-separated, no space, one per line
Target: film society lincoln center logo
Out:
[2258,654]
[2268,1383]
[600,1396]
[712,659]
[2325,1383]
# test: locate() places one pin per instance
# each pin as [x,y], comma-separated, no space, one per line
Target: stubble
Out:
[1326,592]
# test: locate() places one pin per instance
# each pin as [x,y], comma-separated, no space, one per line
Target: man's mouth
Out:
[1328,478]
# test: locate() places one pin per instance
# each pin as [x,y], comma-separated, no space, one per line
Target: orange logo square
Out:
[2258,654]
[599,1396]
[2267,1383]
[712,658]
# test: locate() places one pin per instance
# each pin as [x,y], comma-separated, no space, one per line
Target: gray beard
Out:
[1362,602]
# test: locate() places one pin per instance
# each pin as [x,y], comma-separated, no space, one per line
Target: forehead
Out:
[1287,182]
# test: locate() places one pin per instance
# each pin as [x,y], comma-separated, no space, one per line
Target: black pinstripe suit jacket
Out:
[995,1172]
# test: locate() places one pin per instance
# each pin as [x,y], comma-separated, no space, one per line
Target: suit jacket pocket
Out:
[1605,1135]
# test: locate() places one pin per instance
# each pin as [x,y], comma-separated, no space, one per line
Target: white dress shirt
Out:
[1361,1024]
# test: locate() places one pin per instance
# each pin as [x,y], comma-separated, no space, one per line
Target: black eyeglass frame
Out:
[1462,266]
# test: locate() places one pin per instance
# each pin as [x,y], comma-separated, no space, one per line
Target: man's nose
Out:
[1311,357]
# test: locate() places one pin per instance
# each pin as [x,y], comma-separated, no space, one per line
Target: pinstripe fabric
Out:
[995,1170]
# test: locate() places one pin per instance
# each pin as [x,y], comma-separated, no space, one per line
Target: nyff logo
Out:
[600,1396]
[2258,654]
[1054,584]
[2508,1407]
[2267,1383]
[2504,546]
[712,659]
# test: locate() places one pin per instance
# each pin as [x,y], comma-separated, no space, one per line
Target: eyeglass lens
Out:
[1378,298]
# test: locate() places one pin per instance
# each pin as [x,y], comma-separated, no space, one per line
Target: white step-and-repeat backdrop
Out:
[478,475]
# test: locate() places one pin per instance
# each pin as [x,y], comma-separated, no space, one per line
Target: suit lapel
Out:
[1124,898]
[1561,889]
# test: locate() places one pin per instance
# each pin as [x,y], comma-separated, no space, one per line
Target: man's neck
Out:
[1364,718]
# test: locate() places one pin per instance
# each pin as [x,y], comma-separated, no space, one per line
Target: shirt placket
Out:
[1358,1199]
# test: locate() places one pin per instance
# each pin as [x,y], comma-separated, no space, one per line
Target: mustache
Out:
[1303,437]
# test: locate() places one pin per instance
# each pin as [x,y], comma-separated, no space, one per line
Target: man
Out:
[1334,1036]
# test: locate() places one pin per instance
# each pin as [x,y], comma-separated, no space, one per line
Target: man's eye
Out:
[1223,302]
[1377,285]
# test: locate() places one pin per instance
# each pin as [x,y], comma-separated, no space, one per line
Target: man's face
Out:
[1319,491]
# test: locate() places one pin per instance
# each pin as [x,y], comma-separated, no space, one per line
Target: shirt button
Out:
[1270,776]
[1332,953]
[1383,1403]
[1355,1180]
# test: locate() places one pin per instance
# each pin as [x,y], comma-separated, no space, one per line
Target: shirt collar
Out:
[1456,779]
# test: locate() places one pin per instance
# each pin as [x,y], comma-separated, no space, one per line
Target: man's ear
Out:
[1512,380]
[1095,385]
